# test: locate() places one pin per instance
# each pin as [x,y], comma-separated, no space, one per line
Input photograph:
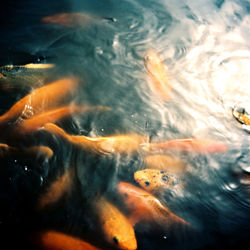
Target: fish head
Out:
[155,180]
[121,235]
[242,113]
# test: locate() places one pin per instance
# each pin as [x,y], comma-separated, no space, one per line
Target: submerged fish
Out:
[37,121]
[16,77]
[56,190]
[241,115]
[31,153]
[195,145]
[15,68]
[164,162]
[112,144]
[115,226]
[155,180]
[145,207]
[158,74]
[38,100]
[52,240]
[72,19]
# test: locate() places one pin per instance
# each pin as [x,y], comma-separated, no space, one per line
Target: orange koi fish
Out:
[164,162]
[33,152]
[145,207]
[155,180]
[56,190]
[40,99]
[195,145]
[37,121]
[107,145]
[70,19]
[115,226]
[158,75]
[52,240]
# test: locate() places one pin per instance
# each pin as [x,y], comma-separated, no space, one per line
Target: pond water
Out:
[205,48]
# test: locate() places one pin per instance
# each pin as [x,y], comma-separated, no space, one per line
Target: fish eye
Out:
[116,240]
[164,179]
[147,183]
[162,172]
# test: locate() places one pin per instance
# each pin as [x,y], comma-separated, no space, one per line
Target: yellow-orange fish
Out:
[37,121]
[145,207]
[158,75]
[155,180]
[53,240]
[70,19]
[116,228]
[40,99]
[56,190]
[164,162]
[196,145]
[112,144]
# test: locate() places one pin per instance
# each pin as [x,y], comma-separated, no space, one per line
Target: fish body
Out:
[158,75]
[164,162]
[16,68]
[155,180]
[40,99]
[116,228]
[195,145]
[37,121]
[146,208]
[53,240]
[56,190]
[106,145]
[241,115]
[70,19]
[128,143]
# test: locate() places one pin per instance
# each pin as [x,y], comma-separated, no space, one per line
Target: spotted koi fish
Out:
[155,180]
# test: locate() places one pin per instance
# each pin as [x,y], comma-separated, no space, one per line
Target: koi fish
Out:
[9,68]
[164,162]
[116,228]
[155,180]
[36,121]
[39,99]
[59,241]
[112,144]
[158,75]
[195,145]
[16,77]
[145,207]
[241,115]
[72,19]
[56,190]
[33,153]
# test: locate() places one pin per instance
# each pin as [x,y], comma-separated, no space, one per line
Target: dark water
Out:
[204,44]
